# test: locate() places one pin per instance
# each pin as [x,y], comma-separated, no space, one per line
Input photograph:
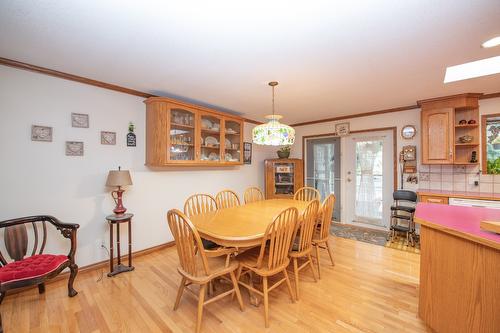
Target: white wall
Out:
[37,177]
[400,119]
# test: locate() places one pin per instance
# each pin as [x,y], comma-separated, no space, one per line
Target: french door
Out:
[322,161]
[369,168]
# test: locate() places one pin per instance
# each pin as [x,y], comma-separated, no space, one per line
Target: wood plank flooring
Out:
[371,289]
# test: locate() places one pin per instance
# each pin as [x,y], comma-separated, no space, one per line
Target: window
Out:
[491,143]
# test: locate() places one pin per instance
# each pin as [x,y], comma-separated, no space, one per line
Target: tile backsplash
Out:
[457,178]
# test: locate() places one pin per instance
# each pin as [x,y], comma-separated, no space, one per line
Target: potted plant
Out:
[284,152]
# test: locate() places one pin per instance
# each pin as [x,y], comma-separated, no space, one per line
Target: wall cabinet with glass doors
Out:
[181,134]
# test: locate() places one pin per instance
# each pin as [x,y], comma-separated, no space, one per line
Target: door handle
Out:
[349,179]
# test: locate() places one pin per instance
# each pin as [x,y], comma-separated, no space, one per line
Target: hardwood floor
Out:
[370,289]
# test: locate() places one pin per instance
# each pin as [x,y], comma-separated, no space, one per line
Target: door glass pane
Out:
[181,135]
[323,168]
[210,138]
[369,180]
[232,147]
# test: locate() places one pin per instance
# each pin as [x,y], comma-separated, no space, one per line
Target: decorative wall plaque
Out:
[41,133]
[74,148]
[342,129]
[108,138]
[131,138]
[80,120]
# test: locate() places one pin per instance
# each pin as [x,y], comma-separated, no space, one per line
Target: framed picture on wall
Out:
[247,152]
[342,129]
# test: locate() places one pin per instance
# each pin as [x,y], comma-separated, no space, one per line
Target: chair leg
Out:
[296,274]
[309,258]
[317,260]
[179,293]
[266,301]
[201,300]
[41,288]
[289,286]
[2,295]
[330,252]
[73,271]
[237,290]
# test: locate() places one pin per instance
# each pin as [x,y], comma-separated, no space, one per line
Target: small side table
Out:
[117,220]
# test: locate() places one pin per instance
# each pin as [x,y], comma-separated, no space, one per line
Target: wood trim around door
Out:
[394,144]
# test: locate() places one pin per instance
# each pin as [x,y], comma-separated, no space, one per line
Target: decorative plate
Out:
[213,157]
[206,123]
[230,131]
[211,141]
[228,143]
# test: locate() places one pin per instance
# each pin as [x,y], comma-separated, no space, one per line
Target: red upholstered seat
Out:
[31,267]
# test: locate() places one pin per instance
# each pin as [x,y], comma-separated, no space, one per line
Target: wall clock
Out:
[408,132]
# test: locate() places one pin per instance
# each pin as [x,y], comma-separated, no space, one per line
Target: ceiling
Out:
[332,58]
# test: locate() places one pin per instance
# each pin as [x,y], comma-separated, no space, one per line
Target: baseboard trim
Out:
[100,264]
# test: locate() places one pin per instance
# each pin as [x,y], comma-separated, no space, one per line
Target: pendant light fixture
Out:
[273,133]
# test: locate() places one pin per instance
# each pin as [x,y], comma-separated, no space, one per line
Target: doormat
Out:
[372,236]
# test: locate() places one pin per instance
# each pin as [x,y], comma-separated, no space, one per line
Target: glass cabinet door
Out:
[210,139]
[284,174]
[182,135]
[232,141]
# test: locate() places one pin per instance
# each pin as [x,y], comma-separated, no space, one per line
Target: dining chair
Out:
[321,237]
[306,194]
[302,246]
[195,268]
[199,204]
[227,199]
[270,258]
[253,194]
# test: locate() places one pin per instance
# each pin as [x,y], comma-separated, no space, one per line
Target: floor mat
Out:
[372,236]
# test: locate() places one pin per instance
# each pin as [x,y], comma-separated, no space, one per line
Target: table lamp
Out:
[118,178]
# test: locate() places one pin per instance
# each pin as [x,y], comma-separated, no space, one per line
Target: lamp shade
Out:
[118,178]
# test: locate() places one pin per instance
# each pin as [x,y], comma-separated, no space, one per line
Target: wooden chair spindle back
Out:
[199,204]
[306,194]
[227,199]
[253,194]
[188,243]
[326,212]
[307,226]
[279,237]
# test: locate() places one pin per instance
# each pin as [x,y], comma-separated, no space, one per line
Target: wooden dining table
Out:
[243,226]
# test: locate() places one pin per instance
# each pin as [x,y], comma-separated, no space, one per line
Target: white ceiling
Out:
[332,58]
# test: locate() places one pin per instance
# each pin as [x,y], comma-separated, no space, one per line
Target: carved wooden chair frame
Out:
[16,244]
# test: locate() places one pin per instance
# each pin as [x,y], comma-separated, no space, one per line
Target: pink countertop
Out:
[461,194]
[460,221]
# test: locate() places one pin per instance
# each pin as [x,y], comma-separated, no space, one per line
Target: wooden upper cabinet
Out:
[437,136]
[446,122]
[180,134]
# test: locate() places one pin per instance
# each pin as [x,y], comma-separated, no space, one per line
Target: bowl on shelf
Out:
[465,139]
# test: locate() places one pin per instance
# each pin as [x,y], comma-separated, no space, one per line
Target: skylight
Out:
[472,69]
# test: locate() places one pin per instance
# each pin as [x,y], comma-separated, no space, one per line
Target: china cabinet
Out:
[182,134]
[283,177]
[450,130]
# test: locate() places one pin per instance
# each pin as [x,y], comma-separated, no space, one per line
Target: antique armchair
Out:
[37,267]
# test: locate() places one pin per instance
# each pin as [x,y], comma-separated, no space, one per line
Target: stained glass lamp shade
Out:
[273,133]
